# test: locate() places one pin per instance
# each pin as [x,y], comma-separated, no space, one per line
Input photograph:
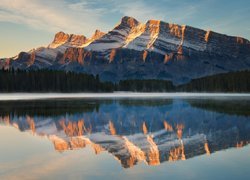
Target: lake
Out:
[125,136]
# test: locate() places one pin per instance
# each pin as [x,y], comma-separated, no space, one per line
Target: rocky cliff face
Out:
[155,50]
[62,38]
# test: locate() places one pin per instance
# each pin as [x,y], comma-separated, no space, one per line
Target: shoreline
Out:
[118,95]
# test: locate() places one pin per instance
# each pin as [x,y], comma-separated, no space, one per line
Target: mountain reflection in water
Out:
[153,131]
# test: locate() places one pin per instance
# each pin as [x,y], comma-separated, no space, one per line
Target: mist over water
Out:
[134,95]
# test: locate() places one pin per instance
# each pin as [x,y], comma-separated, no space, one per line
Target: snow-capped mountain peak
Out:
[151,50]
[118,37]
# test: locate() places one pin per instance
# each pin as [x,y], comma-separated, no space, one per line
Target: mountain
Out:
[134,50]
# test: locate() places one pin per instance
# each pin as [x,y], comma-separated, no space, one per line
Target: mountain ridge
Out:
[134,50]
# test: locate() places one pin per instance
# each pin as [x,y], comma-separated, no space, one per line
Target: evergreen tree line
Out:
[61,81]
[152,85]
[228,82]
[50,81]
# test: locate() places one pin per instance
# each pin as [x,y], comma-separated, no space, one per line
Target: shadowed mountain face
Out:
[152,131]
[134,50]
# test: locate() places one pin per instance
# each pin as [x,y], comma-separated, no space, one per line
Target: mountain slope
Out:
[117,37]
[133,50]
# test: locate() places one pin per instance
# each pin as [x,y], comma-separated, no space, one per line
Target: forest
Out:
[226,82]
[61,81]
[51,81]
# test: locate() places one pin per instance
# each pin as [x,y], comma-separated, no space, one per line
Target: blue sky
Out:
[26,24]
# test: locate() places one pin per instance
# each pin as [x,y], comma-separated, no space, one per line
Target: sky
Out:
[27,24]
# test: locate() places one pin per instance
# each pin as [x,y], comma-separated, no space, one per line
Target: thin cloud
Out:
[145,10]
[81,16]
[50,15]
[84,16]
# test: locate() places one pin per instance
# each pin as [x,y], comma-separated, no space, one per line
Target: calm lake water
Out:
[126,138]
